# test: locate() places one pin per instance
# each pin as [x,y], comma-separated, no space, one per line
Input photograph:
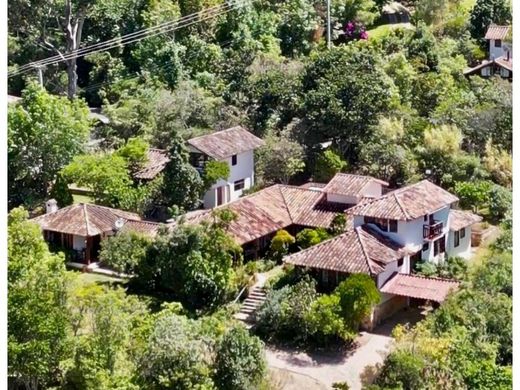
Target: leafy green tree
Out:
[328,163]
[473,195]
[279,159]
[135,154]
[240,361]
[214,171]
[326,322]
[38,322]
[500,202]
[106,324]
[124,251]
[358,295]
[182,183]
[175,358]
[106,175]
[280,244]
[402,369]
[345,90]
[338,224]
[44,133]
[495,275]
[60,191]
[485,13]
[298,21]
[193,262]
[309,237]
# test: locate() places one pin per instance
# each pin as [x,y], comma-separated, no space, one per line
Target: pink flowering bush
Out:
[354,31]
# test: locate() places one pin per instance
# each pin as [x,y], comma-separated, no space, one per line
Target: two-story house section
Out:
[418,217]
[235,146]
[500,54]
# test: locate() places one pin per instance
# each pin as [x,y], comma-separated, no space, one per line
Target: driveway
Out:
[356,367]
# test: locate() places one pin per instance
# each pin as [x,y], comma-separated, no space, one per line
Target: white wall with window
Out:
[459,242]
[241,177]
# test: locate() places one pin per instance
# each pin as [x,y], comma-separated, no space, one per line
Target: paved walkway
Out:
[357,367]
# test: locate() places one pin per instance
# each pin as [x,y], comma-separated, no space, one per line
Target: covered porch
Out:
[78,248]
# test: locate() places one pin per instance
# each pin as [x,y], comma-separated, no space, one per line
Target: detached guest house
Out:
[80,228]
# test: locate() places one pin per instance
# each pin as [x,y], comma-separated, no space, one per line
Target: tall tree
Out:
[44,133]
[38,323]
[486,12]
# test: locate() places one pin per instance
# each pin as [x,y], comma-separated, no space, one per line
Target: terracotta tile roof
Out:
[419,287]
[505,63]
[459,219]
[148,228]
[349,184]
[500,61]
[157,160]
[226,143]
[89,220]
[496,32]
[407,203]
[274,208]
[359,250]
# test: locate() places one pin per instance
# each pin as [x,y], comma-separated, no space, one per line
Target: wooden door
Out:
[220,196]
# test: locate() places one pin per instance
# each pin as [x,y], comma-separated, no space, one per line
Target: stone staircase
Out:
[251,304]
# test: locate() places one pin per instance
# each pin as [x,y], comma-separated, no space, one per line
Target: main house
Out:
[389,235]
[500,58]
[261,214]
[234,146]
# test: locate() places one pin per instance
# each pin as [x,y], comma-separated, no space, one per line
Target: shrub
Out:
[500,202]
[325,321]
[61,193]
[124,251]
[338,224]
[453,268]
[280,244]
[213,171]
[309,237]
[328,163]
[426,268]
[283,314]
[473,194]
[358,294]
[240,361]
[402,370]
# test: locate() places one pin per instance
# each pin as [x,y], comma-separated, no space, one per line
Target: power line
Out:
[137,36]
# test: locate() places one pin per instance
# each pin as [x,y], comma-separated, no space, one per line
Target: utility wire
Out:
[137,36]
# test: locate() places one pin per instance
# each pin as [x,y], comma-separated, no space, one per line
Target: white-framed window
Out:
[234,159]
[239,185]
[462,232]
[456,241]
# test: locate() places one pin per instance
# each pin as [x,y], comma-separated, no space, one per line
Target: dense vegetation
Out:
[67,334]
[393,105]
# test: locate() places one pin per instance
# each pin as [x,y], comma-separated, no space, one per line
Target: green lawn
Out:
[77,198]
[87,278]
[380,31]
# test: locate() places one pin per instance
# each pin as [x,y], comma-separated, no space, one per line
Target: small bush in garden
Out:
[310,237]
[280,244]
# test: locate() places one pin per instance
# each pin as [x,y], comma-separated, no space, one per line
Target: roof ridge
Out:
[87,224]
[401,207]
[367,258]
[221,131]
[285,203]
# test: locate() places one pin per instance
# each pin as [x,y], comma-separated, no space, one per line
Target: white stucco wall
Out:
[464,248]
[495,52]
[78,243]
[392,268]
[372,189]
[344,199]
[244,169]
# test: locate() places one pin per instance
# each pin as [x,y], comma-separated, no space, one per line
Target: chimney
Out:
[51,206]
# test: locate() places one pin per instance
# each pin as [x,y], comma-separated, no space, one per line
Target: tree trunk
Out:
[73,27]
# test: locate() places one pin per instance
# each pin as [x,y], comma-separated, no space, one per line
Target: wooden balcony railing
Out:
[433,230]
